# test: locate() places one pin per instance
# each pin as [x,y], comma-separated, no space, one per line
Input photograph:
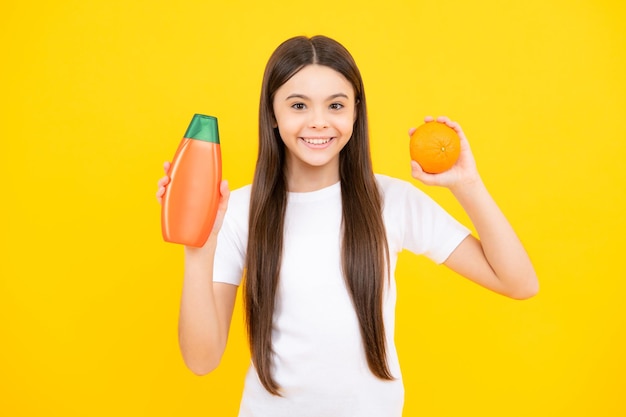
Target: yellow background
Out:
[96,95]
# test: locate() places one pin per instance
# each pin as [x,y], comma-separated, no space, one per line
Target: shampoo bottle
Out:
[192,196]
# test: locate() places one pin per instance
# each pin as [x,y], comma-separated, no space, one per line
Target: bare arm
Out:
[497,260]
[206,308]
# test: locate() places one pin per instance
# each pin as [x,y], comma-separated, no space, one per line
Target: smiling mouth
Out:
[317,141]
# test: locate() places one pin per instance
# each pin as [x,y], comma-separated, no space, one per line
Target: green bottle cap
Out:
[203,128]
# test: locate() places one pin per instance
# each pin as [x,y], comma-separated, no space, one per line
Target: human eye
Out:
[336,106]
[298,106]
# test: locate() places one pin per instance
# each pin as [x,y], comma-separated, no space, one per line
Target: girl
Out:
[317,236]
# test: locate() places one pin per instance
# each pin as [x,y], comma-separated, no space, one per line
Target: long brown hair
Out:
[364,243]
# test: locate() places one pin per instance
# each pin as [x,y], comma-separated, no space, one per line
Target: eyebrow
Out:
[302,96]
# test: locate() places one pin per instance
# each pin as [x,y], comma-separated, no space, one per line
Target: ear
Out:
[356,109]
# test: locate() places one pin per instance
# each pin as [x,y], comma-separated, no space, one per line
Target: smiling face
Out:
[315,112]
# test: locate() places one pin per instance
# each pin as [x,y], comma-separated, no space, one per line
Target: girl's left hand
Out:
[462,172]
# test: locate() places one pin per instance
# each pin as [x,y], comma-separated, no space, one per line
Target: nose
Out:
[318,119]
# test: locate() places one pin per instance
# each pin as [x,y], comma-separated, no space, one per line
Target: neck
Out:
[306,179]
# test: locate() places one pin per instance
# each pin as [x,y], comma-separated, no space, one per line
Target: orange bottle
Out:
[190,201]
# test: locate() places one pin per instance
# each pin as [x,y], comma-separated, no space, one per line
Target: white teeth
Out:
[316,141]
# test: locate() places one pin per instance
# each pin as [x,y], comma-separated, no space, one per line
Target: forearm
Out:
[501,246]
[202,339]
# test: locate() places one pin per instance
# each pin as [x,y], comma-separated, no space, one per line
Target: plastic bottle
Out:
[192,196]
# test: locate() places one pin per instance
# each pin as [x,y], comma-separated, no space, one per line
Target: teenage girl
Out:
[314,242]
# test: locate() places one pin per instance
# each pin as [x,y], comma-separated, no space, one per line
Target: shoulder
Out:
[393,188]
[239,202]
[385,181]
[400,194]
[241,194]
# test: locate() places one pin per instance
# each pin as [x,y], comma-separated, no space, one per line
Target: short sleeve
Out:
[429,229]
[417,223]
[232,240]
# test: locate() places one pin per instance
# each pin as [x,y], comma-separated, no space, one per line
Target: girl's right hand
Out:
[223,204]
[163,183]
[221,208]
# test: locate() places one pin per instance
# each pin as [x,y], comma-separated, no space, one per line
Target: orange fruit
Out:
[435,146]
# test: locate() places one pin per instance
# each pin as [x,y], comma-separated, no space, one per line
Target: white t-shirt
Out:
[319,360]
